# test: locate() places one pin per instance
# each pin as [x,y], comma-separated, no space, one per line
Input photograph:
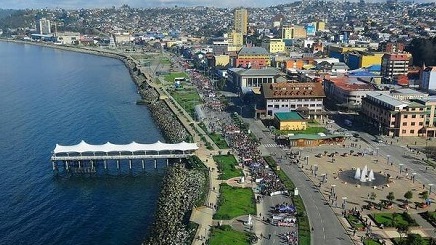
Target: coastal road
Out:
[327,228]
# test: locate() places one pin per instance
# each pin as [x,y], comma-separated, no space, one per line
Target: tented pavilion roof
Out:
[132,147]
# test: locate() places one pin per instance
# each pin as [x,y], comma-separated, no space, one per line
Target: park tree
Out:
[414,239]
[402,228]
[390,197]
[424,195]
[394,219]
[408,195]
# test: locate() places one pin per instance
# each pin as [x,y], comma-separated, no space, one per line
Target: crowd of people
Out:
[290,237]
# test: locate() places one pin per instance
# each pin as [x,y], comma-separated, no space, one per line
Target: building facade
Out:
[44,26]
[293,32]
[253,57]
[392,116]
[241,21]
[394,64]
[285,97]
[252,79]
[345,90]
[428,78]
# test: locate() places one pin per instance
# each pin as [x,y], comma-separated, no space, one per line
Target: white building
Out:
[428,79]
[44,26]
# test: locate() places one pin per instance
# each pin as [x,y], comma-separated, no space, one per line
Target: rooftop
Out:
[292,90]
[386,99]
[288,116]
[253,51]
[268,71]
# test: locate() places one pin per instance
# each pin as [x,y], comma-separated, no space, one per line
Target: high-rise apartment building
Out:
[241,21]
[394,64]
[44,26]
[293,32]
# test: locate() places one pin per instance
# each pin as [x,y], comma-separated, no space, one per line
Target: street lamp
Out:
[333,190]
[344,201]
[429,191]
[413,177]
[387,159]
[401,168]
[307,160]
[376,151]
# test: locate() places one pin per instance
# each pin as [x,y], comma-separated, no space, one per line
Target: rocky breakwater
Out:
[182,188]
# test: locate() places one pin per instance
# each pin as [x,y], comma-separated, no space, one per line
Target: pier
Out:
[83,157]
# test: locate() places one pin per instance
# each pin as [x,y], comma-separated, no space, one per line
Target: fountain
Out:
[371,176]
[364,173]
[357,174]
[365,176]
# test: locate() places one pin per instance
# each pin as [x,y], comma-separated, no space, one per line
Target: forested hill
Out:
[423,51]
[6,12]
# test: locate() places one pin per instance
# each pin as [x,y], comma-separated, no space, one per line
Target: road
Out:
[327,228]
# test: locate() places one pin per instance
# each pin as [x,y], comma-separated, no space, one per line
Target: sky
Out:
[76,4]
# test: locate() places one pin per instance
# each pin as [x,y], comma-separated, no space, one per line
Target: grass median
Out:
[234,202]
[227,166]
[226,235]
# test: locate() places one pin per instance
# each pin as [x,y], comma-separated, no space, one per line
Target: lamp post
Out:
[333,190]
[413,177]
[429,191]
[307,160]
[401,168]
[344,201]
[387,159]
[376,151]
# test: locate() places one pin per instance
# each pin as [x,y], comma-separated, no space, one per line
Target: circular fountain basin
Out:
[348,176]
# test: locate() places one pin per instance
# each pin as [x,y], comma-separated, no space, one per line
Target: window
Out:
[420,124]
[405,116]
[404,123]
[413,116]
[421,116]
[412,131]
[403,131]
[412,124]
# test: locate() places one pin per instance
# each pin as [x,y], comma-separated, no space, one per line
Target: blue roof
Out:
[361,73]
[374,68]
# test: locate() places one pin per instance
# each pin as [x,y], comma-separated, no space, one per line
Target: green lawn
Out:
[354,222]
[219,140]
[225,235]
[309,130]
[371,242]
[234,202]
[170,77]
[227,166]
[187,98]
[386,219]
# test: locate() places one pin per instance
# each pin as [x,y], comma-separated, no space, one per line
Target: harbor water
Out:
[50,96]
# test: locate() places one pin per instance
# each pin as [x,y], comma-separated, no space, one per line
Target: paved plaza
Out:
[335,174]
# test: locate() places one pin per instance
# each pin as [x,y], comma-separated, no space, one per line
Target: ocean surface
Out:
[49,96]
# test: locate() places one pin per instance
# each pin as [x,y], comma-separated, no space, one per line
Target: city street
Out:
[327,228]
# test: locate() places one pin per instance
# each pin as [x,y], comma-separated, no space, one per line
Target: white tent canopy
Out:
[132,147]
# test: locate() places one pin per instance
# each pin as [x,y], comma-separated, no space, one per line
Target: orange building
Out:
[299,63]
